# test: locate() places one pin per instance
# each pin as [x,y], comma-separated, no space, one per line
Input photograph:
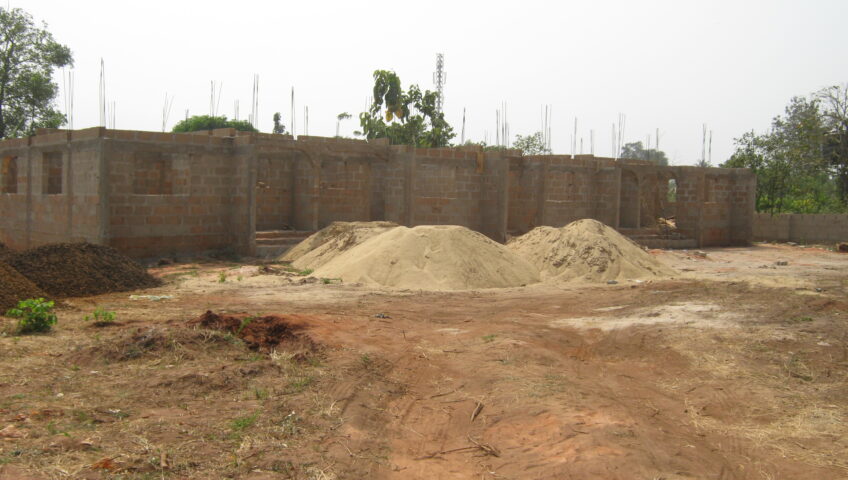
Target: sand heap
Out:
[14,287]
[586,250]
[330,242]
[443,257]
[80,269]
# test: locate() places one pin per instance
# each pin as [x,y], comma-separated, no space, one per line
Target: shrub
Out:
[34,315]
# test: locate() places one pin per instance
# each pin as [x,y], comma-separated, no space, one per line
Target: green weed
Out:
[101,316]
[241,424]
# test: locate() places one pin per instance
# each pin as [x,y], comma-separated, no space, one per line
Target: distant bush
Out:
[206,122]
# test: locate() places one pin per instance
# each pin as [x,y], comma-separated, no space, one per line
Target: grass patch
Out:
[489,338]
[798,320]
[299,384]
[238,425]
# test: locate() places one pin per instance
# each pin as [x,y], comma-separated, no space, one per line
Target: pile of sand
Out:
[14,287]
[80,269]
[586,250]
[330,242]
[443,257]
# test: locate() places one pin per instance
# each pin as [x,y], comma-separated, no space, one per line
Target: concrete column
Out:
[104,191]
[409,164]
[617,198]
[29,160]
[316,193]
[543,193]
[68,187]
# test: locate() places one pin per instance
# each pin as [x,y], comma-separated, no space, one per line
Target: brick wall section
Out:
[152,194]
[197,214]
[56,187]
[801,228]
[274,191]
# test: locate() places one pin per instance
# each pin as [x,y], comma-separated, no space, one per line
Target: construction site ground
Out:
[736,369]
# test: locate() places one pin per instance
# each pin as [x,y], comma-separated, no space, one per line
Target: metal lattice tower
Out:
[439,78]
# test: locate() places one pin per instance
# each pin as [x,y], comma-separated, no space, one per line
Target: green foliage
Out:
[206,122]
[405,118]
[28,56]
[101,316]
[795,171]
[489,338]
[222,277]
[531,144]
[34,315]
[279,128]
[339,118]
[637,151]
[835,110]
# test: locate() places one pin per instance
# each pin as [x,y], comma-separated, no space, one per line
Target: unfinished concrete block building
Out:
[152,194]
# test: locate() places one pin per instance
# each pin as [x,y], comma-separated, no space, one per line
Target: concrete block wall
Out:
[274,191]
[54,195]
[151,194]
[194,212]
[556,190]
[801,228]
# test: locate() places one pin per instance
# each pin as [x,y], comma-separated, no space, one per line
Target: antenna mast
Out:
[439,78]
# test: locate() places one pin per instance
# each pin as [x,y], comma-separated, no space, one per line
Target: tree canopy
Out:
[404,117]
[802,162]
[279,128]
[637,151]
[206,122]
[533,144]
[28,56]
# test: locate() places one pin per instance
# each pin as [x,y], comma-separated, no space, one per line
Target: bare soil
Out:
[738,369]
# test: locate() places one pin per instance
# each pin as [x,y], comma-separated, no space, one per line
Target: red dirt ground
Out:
[733,371]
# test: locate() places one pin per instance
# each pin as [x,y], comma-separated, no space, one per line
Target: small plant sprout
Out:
[489,338]
[222,277]
[245,322]
[34,315]
[101,316]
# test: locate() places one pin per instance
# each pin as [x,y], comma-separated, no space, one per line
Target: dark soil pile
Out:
[262,333]
[14,287]
[5,252]
[80,269]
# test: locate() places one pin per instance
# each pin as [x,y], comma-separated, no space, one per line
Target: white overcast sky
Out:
[672,65]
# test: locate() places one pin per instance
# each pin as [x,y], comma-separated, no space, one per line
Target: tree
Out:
[339,118]
[637,151]
[279,128]
[793,171]
[28,55]
[207,122]
[531,144]
[835,101]
[405,118]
